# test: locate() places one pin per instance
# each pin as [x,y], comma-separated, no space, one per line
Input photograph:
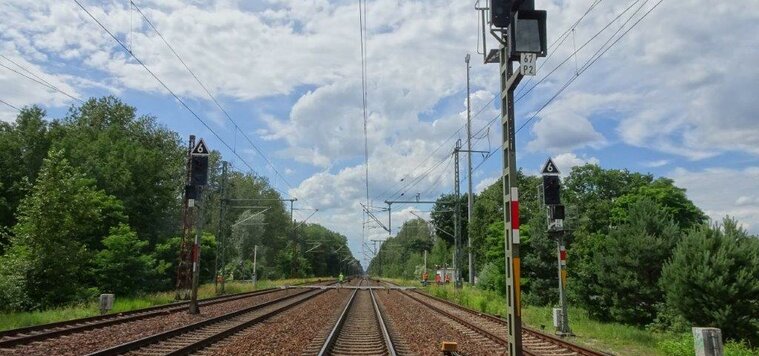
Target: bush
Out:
[679,346]
[122,267]
[733,348]
[492,277]
[13,294]
[683,345]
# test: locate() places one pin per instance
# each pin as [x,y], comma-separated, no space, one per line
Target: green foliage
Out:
[122,267]
[627,266]
[130,157]
[13,271]
[18,319]
[592,190]
[681,345]
[325,251]
[402,256]
[539,263]
[712,280]
[487,209]
[664,193]
[492,277]
[23,146]
[112,168]
[739,348]
[442,215]
[60,224]
[167,256]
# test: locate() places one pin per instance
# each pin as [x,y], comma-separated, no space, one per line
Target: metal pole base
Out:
[194,308]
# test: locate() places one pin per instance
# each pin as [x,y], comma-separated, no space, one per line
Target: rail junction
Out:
[361,317]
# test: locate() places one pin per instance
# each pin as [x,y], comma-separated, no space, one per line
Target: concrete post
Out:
[707,341]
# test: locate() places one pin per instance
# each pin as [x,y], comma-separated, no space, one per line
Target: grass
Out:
[615,338]
[15,320]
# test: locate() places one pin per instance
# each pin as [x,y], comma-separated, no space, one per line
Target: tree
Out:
[592,190]
[443,212]
[23,146]
[60,224]
[403,255]
[487,209]
[167,255]
[670,198]
[539,262]
[122,267]
[130,157]
[626,269]
[712,280]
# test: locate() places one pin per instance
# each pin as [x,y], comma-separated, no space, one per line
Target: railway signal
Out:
[198,178]
[521,33]
[555,214]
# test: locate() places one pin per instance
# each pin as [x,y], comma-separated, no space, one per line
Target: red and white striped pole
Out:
[564,327]
[515,239]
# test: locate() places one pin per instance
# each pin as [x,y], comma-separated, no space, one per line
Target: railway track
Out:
[534,343]
[21,336]
[360,329]
[197,336]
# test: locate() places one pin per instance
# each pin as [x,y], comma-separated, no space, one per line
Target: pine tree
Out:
[713,280]
[628,266]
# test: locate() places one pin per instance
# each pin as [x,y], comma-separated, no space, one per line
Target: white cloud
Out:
[723,191]
[566,161]
[566,124]
[659,88]
[484,184]
[657,163]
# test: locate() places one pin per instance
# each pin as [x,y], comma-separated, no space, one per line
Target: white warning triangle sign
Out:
[200,149]
[550,168]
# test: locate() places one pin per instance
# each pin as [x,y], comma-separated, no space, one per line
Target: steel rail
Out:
[581,350]
[25,335]
[497,339]
[149,340]
[332,337]
[206,342]
[78,325]
[383,326]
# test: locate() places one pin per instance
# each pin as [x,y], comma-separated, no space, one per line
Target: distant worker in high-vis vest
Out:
[341,278]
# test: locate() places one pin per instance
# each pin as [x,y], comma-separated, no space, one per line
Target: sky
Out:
[663,87]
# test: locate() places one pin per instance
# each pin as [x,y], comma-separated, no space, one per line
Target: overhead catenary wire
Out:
[43,83]
[595,58]
[211,96]
[443,173]
[558,42]
[10,105]
[584,68]
[167,88]
[527,91]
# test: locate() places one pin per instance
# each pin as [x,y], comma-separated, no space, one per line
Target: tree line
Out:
[639,252]
[91,203]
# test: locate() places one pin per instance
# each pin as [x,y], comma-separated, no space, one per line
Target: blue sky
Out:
[673,97]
